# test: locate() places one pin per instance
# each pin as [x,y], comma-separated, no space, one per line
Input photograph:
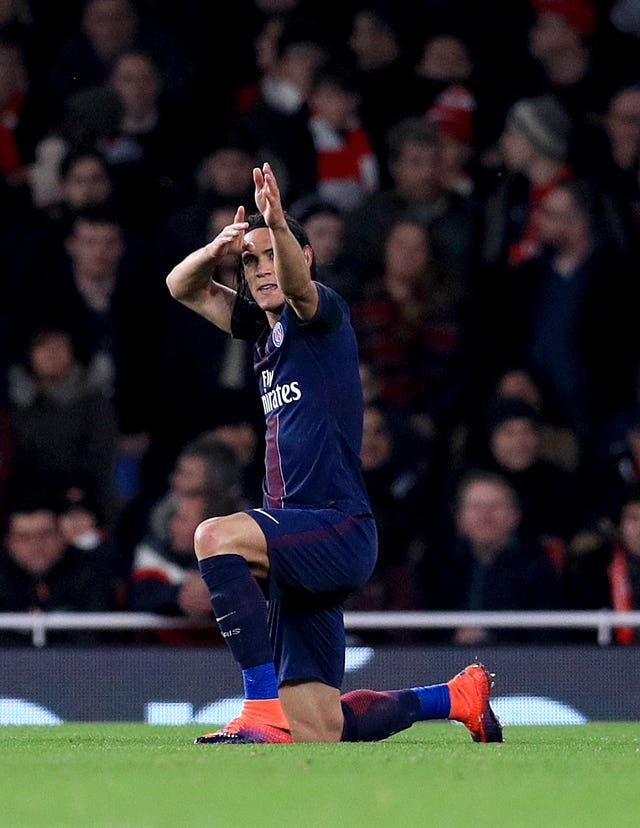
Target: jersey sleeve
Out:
[330,313]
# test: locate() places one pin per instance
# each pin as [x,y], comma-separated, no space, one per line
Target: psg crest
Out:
[277,334]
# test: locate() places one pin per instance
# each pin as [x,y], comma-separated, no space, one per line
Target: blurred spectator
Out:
[108,28]
[324,225]
[17,127]
[39,572]
[371,383]
[79,521]
[13,87]
[382,61]
[396,474]
[90,118]
[247,443]
[83,179]
[412,330]
[222,177]
[265,46]
[24,110]
[558,443]
[165,578]
[616,463]
[534,149]
[570,310]
[622,124]
[205,464]
[208,375]
[518,380]
[617,167]
[277,123]
[580,73]
[606,574]
[64,427]
[100,293]
[445,61]
[549,495]
[151,154]
[347,168]
[495,564]
[83,526]
[415,163]
[452,112]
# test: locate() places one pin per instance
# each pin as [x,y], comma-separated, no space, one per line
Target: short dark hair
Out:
[411,130]
[256,220]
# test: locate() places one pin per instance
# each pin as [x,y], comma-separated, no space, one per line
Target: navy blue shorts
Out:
[317,557]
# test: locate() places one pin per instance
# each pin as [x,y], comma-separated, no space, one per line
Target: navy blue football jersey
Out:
[309,384]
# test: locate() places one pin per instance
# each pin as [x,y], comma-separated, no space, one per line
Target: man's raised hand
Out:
[230,240]
[267,195]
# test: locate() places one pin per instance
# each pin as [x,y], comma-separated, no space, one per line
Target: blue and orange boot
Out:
[260,722]
[470,693]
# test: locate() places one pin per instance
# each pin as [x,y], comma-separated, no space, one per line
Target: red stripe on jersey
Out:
[274,476]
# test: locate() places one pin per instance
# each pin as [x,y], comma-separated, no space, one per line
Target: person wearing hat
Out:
[603,568]
[549,494]
[535,147]
[580,62]
[452,112]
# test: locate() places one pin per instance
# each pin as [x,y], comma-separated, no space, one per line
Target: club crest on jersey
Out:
[277,334]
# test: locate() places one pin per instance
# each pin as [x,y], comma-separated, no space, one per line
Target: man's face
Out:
[550,36]
[487,514]
[135,79]
[260,273]
[96,248]
[622,121]
[34,541]
[189,475]
[376,440]
[558,218]
[87,182]
[110,25]
[517,151]
[188,514]
[514,443]
[416,172]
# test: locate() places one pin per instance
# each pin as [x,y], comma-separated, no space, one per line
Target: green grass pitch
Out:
[120,775]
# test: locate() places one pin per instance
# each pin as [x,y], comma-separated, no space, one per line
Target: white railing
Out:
[604,621]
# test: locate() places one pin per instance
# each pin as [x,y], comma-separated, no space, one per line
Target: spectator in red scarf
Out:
[608,576]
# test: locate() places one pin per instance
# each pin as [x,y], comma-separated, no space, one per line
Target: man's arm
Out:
[291,262]
[190,281]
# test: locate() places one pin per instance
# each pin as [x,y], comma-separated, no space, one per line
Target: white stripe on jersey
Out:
[266,514]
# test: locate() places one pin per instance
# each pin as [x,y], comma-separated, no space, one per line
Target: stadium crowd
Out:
[469,176]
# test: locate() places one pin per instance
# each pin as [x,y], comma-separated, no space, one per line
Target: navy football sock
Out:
[240,609]
[370,716]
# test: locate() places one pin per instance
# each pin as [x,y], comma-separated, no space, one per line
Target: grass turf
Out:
[97,775]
